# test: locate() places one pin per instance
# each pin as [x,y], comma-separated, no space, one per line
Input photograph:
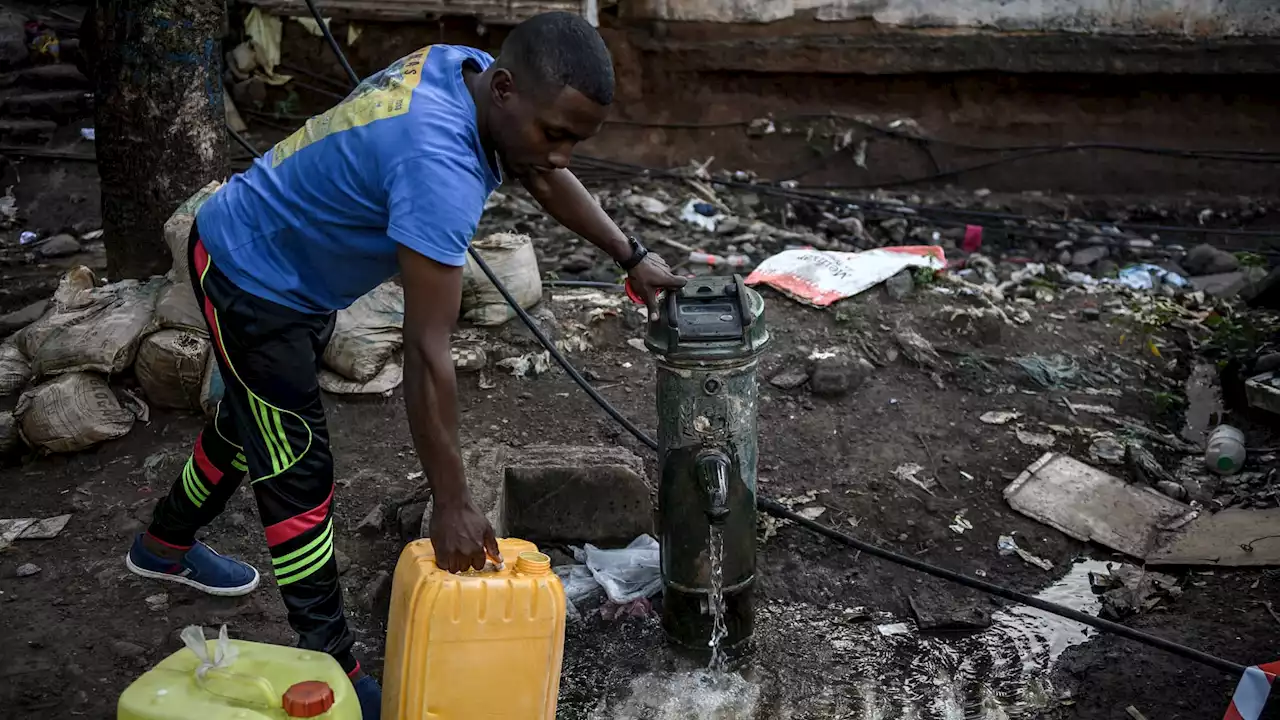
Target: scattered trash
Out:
[702,215]
[891,629]
[972,239]
[1107,449]
[916,348]
[1000,417]
[531,364]
[1224,450]
[820,278]
[12,529]
[1037,440]
[27,237]
[959,524]
[790,379]
[812,513]
[1008,546]
[1126,590]
[908,472]
[1145,277]
[580,586]
[87,133]
[1055,372]
[27,570]
[1093,506]
[729,261]
[638,344]
[627,574]
[1147,469]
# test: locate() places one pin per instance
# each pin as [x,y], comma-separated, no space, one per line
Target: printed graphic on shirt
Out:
[384,95]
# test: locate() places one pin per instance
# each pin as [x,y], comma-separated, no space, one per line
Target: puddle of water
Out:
[697,695]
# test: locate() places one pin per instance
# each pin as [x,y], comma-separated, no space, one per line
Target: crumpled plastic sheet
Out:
[625,575]
[1144,277]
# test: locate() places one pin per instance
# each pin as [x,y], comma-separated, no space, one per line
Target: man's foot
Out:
[201,568]
[370,696]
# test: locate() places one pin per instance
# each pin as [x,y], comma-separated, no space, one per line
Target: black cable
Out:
[333,43]
[243,142]
[777,510]
[583,284]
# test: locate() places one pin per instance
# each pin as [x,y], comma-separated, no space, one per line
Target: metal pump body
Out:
[707,340]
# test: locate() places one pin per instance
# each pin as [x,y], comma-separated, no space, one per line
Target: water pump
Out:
[707,340]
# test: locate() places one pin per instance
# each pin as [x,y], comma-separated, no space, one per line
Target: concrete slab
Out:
[1093,506]
[1231,538]
[561,493]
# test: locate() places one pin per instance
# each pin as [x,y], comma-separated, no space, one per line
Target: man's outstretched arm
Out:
[566,200]
[460,534]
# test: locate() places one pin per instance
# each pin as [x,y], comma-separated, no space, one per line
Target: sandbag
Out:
[511,257]
[10,439]
[170,368]
[388,379]
[177,229]
[71,412]
[98,330]
[176,308]
[367,334]
[211,387]
[15,370]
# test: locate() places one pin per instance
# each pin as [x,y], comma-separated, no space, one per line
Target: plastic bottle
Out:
[1224,450]
[480,644]
[241,680]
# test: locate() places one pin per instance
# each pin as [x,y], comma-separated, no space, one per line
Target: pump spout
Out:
[713,473]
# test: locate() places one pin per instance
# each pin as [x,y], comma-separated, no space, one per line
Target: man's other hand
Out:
[461,537]
[650,277]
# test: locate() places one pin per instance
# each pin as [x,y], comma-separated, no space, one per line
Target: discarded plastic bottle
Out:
[733,261]
[1224,451]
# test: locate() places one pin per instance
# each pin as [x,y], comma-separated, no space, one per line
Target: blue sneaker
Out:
[370,696]
[201,568]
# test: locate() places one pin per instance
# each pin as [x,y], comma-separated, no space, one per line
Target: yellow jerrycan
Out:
[480,645]
[237,680]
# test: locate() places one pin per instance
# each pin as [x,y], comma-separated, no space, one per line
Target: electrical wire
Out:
[774,508]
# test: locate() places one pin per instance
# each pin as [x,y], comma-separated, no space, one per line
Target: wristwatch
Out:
[638,252]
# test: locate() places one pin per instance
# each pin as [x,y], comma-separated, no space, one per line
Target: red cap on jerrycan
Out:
[309,699]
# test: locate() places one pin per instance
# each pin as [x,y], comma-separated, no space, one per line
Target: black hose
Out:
[773,508]
[777,510]
[583,284]
[333,43]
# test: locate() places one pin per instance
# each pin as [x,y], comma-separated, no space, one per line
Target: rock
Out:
[900,286]
[1172,489]
[18,319]
[838,376]
[374,522]
[563,493]
[158,602]
[948,613]
[410,520]
[145,510]
[1231,284]
[1064,257]
[123,649]
[27,570]
[1090,313]
[375,598]
[790,379]
[1086,257]
[579,261]
[343,560]
[1106,269]
[58,246]
[916,348]
[1209,260]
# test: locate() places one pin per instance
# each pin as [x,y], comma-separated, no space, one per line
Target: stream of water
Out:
[715,599]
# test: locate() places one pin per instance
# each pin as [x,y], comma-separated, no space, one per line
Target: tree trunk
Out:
[160,137]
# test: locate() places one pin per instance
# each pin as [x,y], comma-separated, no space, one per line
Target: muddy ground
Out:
[81,629]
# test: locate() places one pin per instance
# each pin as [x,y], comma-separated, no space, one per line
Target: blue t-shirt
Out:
[315,223]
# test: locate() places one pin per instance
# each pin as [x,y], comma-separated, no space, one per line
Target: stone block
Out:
[560,493]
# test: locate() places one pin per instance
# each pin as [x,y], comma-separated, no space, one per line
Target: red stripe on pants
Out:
[202,461]
[298,524]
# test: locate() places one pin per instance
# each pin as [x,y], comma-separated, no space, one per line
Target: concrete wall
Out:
[1196,18]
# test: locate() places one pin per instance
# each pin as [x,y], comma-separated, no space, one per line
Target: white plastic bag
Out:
[72,412]
[367,334]
[819,278]
[177,229]
[629,574]
[171,367]
[512,259]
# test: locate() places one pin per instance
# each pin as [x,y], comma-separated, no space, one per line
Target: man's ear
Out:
[502,86]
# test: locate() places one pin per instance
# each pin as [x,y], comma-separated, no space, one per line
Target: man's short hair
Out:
[559,49]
